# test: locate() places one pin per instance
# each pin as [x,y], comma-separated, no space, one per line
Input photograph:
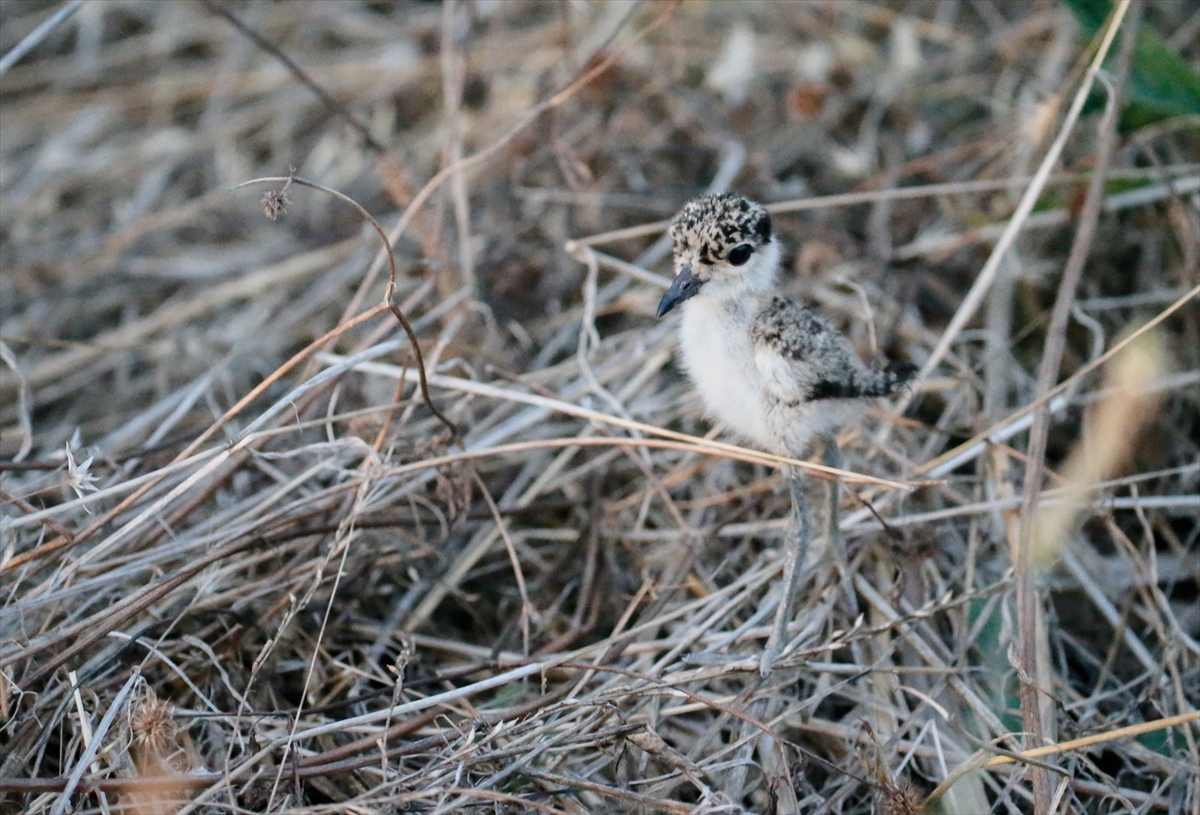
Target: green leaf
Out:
[1161,84]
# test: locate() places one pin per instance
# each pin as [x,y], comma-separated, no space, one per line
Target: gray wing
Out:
[809,359]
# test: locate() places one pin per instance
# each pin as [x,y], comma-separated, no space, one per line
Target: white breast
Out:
[719,356]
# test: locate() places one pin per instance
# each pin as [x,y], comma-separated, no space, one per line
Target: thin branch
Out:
[326,98]
[1033,707]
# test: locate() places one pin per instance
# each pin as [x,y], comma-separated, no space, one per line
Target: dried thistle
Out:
[275,203]
[900,797]
[78,477]
[153,731]
[156,752]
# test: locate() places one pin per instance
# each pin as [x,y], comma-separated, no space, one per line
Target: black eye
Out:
[740,254]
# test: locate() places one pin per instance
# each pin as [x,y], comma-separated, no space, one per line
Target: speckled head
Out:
[722,243]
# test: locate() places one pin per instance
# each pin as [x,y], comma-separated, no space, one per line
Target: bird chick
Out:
[774,371]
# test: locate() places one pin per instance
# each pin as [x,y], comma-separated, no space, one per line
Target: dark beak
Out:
[684,286]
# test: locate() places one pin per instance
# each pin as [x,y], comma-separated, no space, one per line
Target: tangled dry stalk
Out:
[247,565]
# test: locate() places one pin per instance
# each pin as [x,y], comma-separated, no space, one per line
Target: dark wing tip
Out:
[898,373]
[901,370]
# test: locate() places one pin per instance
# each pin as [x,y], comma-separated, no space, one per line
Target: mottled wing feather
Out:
[797,332]
[805,358]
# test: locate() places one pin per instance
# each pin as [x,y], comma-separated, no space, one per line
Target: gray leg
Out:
[796,551]
[832,457]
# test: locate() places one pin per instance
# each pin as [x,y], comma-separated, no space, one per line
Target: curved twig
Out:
[274,204]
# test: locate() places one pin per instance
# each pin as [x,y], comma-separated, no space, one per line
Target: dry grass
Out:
[246,568]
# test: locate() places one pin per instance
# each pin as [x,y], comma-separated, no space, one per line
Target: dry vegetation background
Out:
[238,580]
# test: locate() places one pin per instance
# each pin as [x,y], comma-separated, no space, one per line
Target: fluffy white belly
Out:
[719,356]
